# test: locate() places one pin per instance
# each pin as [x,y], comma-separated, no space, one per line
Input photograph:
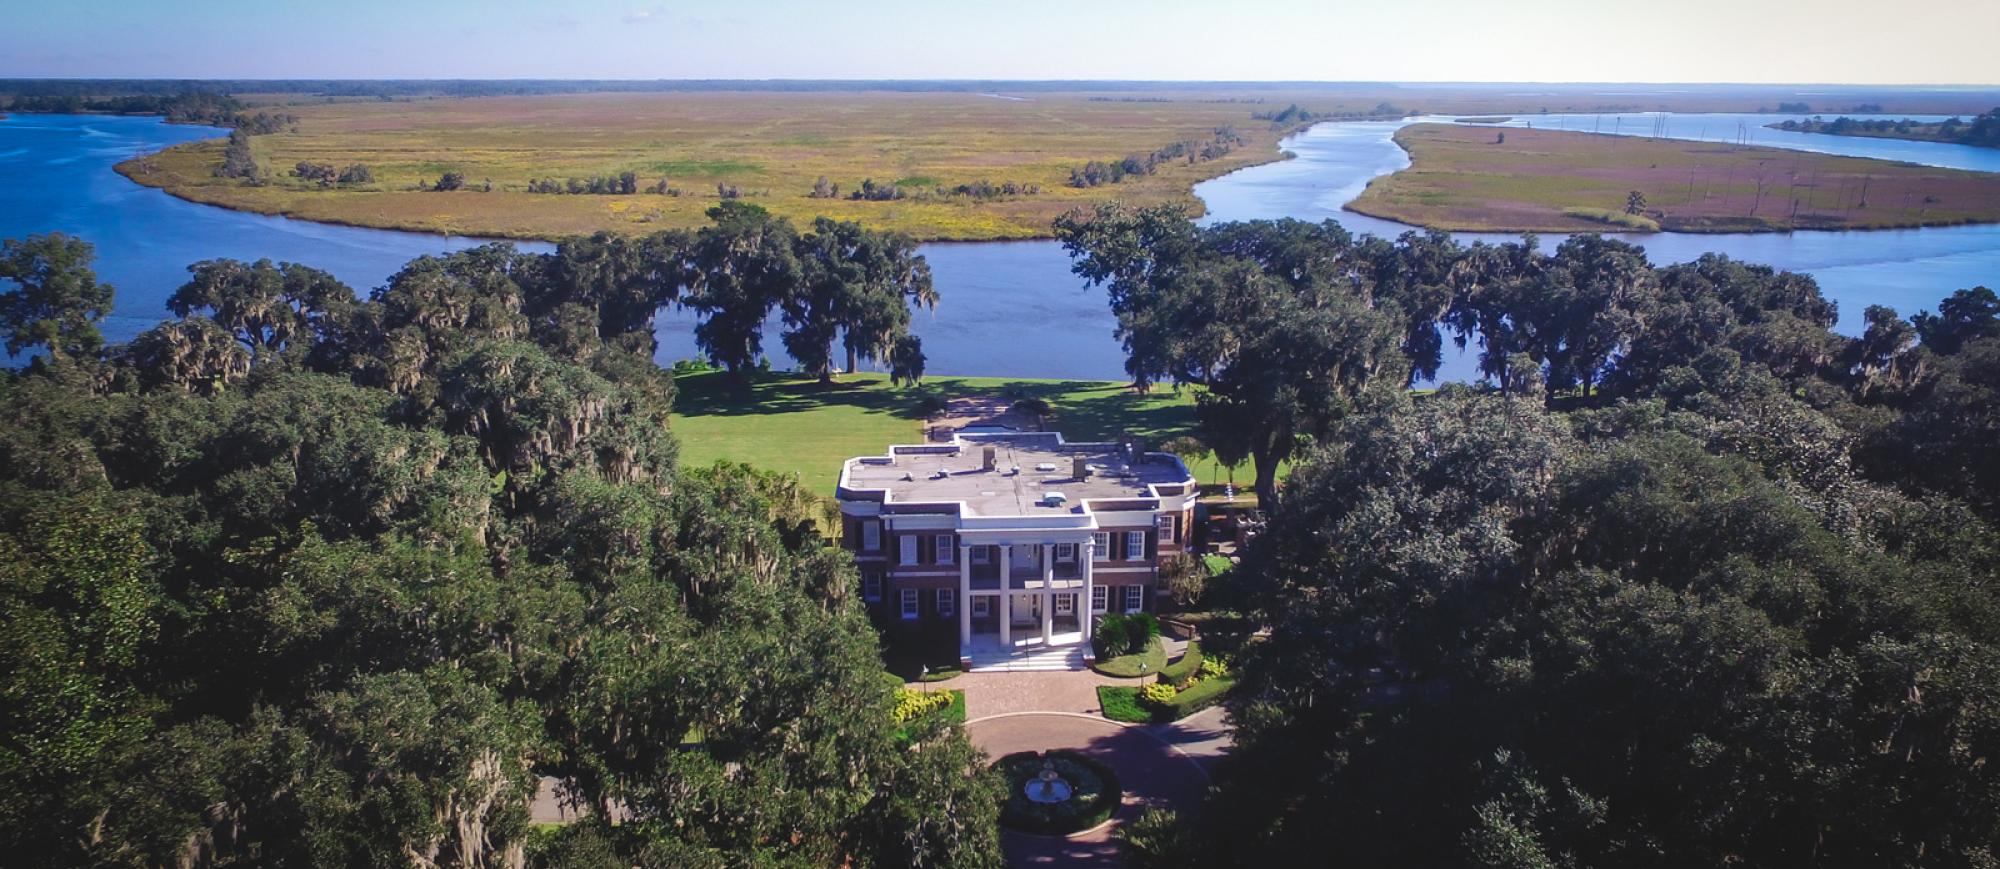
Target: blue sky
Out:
[1847,41]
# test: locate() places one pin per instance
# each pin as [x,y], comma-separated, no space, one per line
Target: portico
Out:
[1032,590]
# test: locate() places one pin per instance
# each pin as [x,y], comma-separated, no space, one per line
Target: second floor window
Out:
[947,553]
[982,555]
[909,549]
[1135,546]
[1166,525]
[871,536]
[1100,545]
[1065,552]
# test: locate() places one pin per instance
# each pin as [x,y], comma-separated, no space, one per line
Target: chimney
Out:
[1077,469]
[986,458]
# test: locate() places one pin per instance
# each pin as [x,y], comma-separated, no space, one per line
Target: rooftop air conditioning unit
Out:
[1054,499]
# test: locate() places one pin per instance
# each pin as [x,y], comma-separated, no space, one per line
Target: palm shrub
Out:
[1124,634]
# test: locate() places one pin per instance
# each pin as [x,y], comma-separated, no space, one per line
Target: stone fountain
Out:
[1047,786]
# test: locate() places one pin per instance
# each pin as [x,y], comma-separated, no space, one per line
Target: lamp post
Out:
[1142,676]
[924,677]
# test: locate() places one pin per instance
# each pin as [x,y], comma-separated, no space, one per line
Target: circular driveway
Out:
[1153,773]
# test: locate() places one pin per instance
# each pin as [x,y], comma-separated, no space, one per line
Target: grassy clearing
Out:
[791,425]
[1463,178]
[771,145]
[1127,666]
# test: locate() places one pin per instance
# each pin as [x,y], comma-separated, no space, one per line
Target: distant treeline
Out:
[191,107]
[1098,172]
[1292,114]
[1982,131]
[623,183]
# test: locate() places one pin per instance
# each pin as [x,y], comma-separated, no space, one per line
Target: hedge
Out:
[1097,793]
[1189,664]
[1204,694]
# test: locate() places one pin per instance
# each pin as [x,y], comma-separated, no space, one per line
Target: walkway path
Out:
[1160,765]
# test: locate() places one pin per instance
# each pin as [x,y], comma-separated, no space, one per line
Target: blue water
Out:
[1008,309]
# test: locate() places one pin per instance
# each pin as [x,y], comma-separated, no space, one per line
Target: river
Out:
[1008,308]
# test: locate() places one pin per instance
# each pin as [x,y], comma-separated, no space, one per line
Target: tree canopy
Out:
[301,579]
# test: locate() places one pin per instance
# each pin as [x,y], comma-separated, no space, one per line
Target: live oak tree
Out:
[55,301]
[856,285]
[739,269]
[292,582]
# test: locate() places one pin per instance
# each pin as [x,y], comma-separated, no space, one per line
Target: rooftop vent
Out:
[1079,469]
[986,458]
[1045,467]
[1054,499]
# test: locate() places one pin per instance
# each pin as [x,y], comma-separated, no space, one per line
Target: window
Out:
[1065,552]
[982,555]
[1099,597]
[908,544]
[1135,546]
[1065,604]
[871,586]
[909,603]
[1166,525]
[1135,598]
[871,536]
[946,552]
[947,601]
[980,603]
[1100,542]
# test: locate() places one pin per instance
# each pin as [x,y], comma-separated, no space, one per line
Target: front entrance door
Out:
[1027,610]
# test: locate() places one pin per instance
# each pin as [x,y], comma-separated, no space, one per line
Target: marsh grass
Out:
[1460,178]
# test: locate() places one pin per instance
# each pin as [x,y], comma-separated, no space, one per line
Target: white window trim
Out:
[1168,523]
[907,557]
[947,550]
[981,605]
[1065,553]
[871,587]
[1065,604]
[1135,599]
[910,607]
[947,601]
[1101,544]
[1132,552]
[1100,598]
[982,555]
[871,536]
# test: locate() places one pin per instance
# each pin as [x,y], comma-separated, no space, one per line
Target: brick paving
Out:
[1153,772]
[1164,765]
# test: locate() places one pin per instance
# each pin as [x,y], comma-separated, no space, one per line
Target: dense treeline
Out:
[1693,581]
[621,184]
[1982,131]
[192,107]
[302,579]
[1098,172]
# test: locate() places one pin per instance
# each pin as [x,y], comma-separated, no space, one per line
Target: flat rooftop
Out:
[953,472]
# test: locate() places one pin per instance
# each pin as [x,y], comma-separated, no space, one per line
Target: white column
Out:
[1086,552]
[964,595]
[1006,597]
[1048,594]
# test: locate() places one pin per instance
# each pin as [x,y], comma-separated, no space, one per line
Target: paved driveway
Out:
[1152,770]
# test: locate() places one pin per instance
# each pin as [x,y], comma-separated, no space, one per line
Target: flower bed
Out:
[1094,793]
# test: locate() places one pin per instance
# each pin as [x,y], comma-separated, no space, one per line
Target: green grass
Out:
[1121,703]
[792,425]
[1217,564]
[1204,694]
[1636,222]
[952,714]
[1127,666]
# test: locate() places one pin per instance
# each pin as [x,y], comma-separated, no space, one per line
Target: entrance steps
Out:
[1053,659]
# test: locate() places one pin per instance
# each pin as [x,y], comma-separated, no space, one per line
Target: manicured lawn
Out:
[1121,703]
[1127,666]
[790,424]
